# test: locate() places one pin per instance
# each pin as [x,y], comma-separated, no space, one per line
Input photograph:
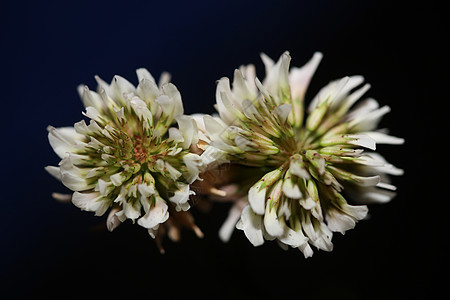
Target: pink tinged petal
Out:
[156,215]
[164,78]
[251,224]
[227,228]
[54,171]
[299,78]
[65,198]
[113,221]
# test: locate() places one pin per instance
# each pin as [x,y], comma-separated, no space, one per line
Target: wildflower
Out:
[305,167]
[129,158]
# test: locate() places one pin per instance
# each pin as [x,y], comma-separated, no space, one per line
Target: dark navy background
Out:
[49,47]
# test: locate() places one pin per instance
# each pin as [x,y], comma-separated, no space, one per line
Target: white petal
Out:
[282,112]
[307,203]
[299,78]
[194,164]
[240,87]
[257,198]
[362,140]
[91,202]
[143,73]
[54,171]
[148,91]
[73,177]
[113,221]
[120,86]
[181,197]
[292,238]
[272,223]
[297,168]
[156,215]
[382,138]
[188,128]
[252,226]
[131,209]
[171,90]
[291,189]
[174,173]
[227,228]
[63,140]
[306,250]
[368,121]
[175,135]
[339,222]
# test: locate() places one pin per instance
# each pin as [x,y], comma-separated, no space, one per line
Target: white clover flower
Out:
[129,157]
[307,166]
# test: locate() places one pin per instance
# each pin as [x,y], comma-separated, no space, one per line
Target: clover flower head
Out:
[311,164]
[129,157]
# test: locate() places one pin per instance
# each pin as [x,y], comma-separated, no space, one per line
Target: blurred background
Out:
[54,250]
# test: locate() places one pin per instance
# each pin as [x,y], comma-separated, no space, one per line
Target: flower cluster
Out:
[301,166]
[294,176]
[128,157]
